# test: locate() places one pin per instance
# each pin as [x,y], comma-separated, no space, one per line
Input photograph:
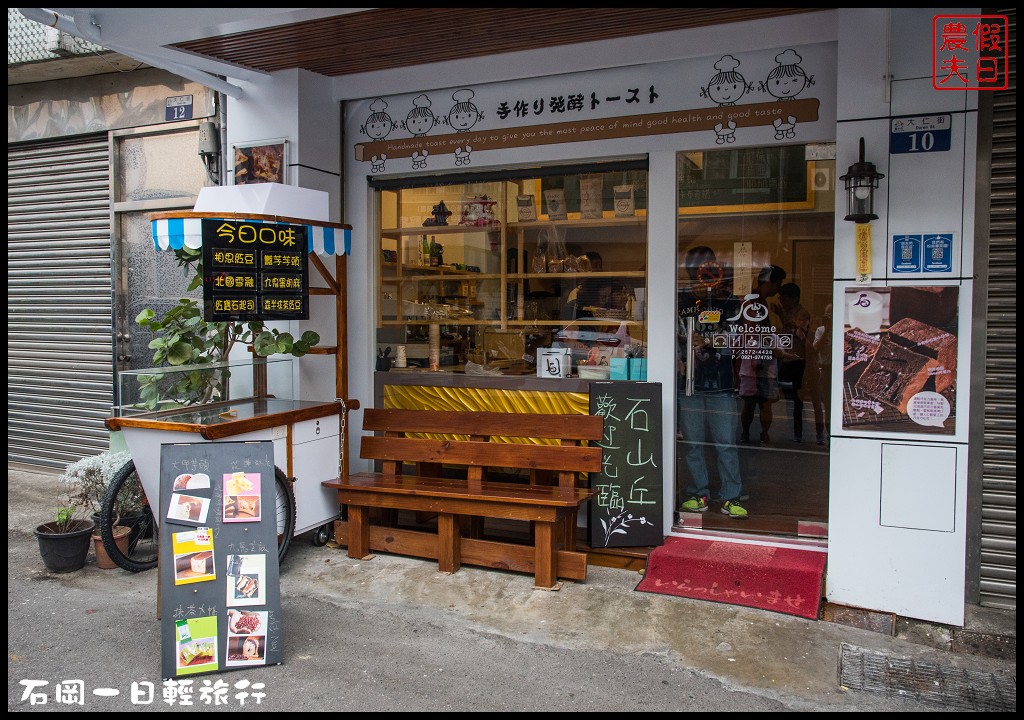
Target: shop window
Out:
[489,274]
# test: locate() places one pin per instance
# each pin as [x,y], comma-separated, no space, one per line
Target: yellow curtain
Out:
[424,397]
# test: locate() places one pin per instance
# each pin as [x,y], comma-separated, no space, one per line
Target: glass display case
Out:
[489,271]
[222,388]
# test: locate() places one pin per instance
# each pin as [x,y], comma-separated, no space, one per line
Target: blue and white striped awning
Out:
[186,230]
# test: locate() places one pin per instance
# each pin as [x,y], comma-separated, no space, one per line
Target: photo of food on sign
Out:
[188,508]
[198,652]
[195,645]
[246,622]
[246,639]
[193,556]
[246,581]
[241,497]
[247,650]
[259,164]
[188,481]
[900,358]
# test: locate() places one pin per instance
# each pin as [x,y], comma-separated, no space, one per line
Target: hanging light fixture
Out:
[860,181]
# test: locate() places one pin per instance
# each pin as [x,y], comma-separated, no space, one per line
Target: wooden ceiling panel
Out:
[401,37]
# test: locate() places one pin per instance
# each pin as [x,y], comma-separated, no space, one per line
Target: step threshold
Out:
[809,544]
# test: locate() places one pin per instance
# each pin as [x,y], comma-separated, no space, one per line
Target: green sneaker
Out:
[733,509]
[696,503]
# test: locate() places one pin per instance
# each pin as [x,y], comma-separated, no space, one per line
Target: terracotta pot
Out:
[64,552]
[122,534]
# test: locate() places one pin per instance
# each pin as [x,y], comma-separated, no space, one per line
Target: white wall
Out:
[897,505]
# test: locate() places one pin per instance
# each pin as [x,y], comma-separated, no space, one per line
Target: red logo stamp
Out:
[970,52]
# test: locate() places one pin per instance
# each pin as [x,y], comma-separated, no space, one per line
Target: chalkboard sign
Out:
[254,271]
[629,506]
[219,577]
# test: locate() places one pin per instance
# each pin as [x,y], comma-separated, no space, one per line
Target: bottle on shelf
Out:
[424,251]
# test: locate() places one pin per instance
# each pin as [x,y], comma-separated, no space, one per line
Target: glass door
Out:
[754,287]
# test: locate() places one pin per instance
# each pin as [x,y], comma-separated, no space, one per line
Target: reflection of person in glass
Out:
[823,353]
[759,376]
[592,292]
[711,409]
[793,366]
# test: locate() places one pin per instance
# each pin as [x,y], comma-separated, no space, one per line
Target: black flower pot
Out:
[65,552]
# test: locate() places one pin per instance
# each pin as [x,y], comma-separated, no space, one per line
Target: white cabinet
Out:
[316,453]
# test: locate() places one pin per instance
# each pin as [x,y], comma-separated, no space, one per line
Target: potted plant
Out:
[64,541]
[182,337]
[91,476]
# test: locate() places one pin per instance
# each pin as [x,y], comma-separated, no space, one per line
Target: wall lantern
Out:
[861,180]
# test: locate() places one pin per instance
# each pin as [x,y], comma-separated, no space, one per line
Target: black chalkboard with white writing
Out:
[220,594]
[628,509]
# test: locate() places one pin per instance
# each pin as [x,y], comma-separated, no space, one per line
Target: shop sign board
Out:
[734,98]
[628,509]
[220,593]
[254,271]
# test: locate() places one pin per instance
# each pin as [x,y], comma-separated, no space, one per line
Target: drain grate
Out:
[872,671]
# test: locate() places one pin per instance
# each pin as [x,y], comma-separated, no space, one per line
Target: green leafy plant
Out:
[71,508]
[184,338]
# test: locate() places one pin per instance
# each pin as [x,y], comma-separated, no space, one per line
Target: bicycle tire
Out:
[144,548]
[144,540]
[284,512]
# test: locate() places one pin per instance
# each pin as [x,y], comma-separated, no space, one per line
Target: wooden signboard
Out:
[629,506]
[219,578]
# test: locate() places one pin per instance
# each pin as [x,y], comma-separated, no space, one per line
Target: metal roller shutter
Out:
[59,352]
[998,569]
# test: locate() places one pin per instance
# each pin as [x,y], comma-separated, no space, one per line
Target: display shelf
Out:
[435,274]
[580,275]
[400,232]
[635,221]
[505,296]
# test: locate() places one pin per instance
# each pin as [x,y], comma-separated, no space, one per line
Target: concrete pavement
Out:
[393,634]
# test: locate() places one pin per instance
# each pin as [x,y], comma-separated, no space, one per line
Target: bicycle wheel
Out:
[143,544]
[143,541]
[284,512]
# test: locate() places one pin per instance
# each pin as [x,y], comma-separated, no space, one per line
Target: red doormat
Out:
[784,580]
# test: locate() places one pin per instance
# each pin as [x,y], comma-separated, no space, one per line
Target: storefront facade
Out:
[897,498]
[901,507]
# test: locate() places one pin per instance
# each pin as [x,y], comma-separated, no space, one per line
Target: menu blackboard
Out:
[254,271]
[629,506]
[219,577]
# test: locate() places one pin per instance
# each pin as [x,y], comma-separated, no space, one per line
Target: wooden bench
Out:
[461,503]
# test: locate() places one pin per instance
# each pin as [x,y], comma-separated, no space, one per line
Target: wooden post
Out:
[358,532]
[545,556]
[448,543]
